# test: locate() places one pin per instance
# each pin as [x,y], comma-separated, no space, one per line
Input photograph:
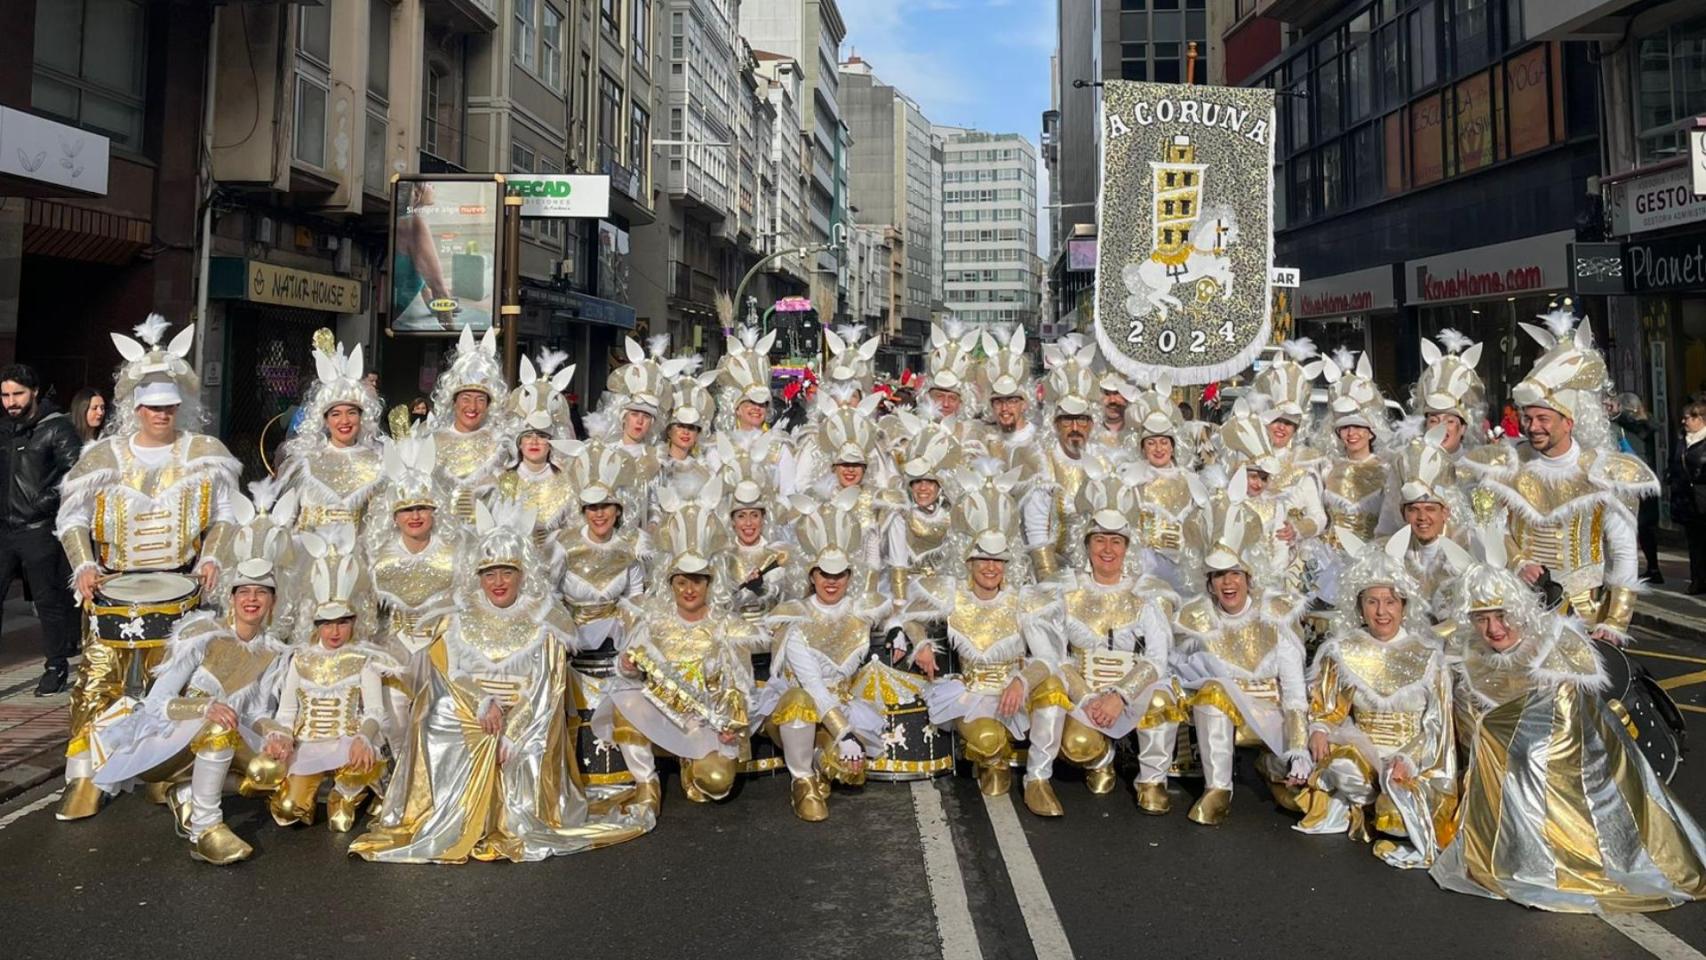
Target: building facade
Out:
[989,223]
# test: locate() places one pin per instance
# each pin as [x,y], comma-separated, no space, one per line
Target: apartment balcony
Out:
[693,290]
[465,16]
[629,195]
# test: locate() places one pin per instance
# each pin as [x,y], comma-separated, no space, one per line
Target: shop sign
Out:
[1671,263]
[39,149]
[1529,265]
[289,287]
[560,194]
[1597,268]
[1658,200]
[1360,291]
[1697,157]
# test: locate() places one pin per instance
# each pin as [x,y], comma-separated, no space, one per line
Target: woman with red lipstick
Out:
[336,469]
[468,422]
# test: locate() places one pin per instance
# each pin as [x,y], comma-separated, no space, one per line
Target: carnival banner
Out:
[1186,237]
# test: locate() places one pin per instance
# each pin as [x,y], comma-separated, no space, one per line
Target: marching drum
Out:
[139,610]
[765,757]
[913,747]
[1645,709]
[599,764]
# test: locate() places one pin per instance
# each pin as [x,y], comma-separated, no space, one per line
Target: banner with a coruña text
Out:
[1186,229]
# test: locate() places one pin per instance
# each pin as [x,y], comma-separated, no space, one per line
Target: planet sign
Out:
[1186,235]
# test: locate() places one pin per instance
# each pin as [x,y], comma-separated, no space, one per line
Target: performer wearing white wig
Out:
[1380,730]
[150,496]
[1559,809]
[334,463]
[468,421]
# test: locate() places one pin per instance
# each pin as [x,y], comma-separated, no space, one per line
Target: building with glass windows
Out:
[1434,163]
[989,222]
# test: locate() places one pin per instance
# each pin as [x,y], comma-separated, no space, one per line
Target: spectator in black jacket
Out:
[1638,433]
[1688,491]
[38,444]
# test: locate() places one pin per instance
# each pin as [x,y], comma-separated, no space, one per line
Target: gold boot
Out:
[648,795]
[690,786]
[158,793]
[295,799]
[178,801]
[341,811]
[994,779]
[1101,780]
[261,776]
[712,777]
[1040,799]
[809,805]
[1152,799]
[1212,808]
[219,846]
[81,799]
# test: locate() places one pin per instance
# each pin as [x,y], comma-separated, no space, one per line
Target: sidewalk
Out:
[1668,608]
[32,728]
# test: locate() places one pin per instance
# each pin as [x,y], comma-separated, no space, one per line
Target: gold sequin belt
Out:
[1262,689]
[1389,729]
[585,613]
[989,677]
[1164,534]
[315,517]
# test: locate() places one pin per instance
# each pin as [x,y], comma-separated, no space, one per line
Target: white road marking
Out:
[29,808]
[1048,938]
[1653,938]
[958,935]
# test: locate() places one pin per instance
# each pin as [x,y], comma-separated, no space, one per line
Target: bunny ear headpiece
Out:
[474,365]
[1353,396]
[334,572]
[1379,564]
[1231,530]
[986,515]
[337,383]
[1570,374]
[641,382]
[505,531]
[410,477]
[850,433]
[693,534]
[257,544]
[828,533]
[1425,471]
[691,403]
[1449,383]
[1284,385]
[746,478]
[850,364]
[1153,411]
[1070,389]
[929,451]
[949,361]
[1108,500]
[1006,366]
[153,375]
[1485,583]
[744,373]
[537,403]
[601,474]
[1244,439]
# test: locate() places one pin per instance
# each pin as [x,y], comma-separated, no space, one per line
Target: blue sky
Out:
[968,63]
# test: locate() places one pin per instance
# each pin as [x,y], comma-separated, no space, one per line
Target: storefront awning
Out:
[77,233]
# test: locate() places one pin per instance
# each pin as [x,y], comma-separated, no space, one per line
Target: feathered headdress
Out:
[537,404]
[153,375]
[1006,366]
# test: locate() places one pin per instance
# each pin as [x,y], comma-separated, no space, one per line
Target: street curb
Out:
[37,770]
[1672,624]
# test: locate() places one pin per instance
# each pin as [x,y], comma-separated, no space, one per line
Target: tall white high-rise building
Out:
[989,224]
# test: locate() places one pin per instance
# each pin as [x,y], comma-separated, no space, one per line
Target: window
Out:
[1327,98]
[1424,46]
[1470,33]
[551,47]
[313,84]
[90,66]
[522,40]
[641,18]
[584,128]
[1670,84]
[640,139]
[609,13]
[432,136]
[375,140]
[549,229]
[1366,169]
[1390,45]
[609,113]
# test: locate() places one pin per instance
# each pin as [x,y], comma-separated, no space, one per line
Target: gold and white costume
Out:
[1382,704]
[513,795]
[469,461]
[1168,495]
[1559,810]
[126,508]
[333,484]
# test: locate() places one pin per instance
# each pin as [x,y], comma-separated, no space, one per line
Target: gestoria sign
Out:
[1360,291]
[1655,201]
[1529,265]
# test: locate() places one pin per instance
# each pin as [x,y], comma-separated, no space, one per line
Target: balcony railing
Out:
[688,283]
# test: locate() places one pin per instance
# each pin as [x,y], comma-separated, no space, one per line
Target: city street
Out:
[904,871]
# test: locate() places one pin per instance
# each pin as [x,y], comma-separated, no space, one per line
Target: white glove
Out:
[1302,766]
[850,750]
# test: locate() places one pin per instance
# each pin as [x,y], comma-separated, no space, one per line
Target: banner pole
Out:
[1191,64]
[511,309]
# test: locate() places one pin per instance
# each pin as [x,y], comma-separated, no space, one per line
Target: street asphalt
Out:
[745,879]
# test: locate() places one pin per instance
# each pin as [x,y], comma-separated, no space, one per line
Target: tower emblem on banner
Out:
[1186,229]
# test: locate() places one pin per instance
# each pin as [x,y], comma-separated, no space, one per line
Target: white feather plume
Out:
[549,361]
[1345,358]
[152,329]
[1562,323]
[1299,348]
[1454,341]
[657,344]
